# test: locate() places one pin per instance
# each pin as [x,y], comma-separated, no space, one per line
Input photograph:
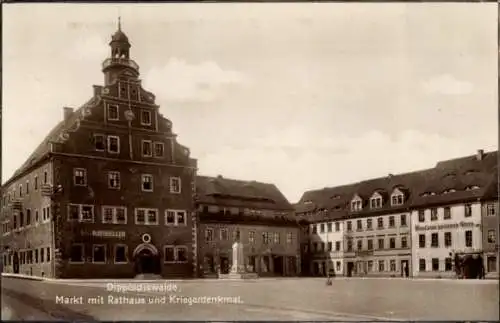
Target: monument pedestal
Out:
[238,268]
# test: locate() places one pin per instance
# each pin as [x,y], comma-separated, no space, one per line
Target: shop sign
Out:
[446,226]
[105,234]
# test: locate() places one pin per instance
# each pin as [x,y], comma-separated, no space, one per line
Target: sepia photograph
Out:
[300,161]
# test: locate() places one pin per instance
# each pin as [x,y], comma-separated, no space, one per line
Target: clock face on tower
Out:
[129,115]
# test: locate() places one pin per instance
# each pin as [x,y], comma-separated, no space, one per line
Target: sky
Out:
[302,95]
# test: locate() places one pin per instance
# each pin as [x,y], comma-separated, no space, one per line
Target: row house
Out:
[409,224]
[258,214]
[108,193]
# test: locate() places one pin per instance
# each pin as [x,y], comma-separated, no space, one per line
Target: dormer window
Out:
[397,197]
[335,197]
[307,202]
[356,204]
[451,190]
[113,112]
[471,188]
[376,201]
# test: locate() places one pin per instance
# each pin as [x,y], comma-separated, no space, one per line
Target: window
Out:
[359,244]
[337,226]
[224,235]
[392,222]
[36,182]
[381,266]
[314,229]
[48,254]
[404,242]
[121,254]
[147,150]
[491,264]
[359,225]
[147,183]
[421,215]
[21,190]
[114,144]
[47,213]
[421,265]
[79,212]
[76,254]
[381,243]
[337,245]
[447,239]
[27,187]
[322,227]
[329,227]
[376,202]
[276,238]
[114,214]
[403,220]
[251,236]
[145,117]
[28,217]
[421,240]
[146,216]
[209,234]
[99,142]
[265,237]
[99,253]
[113,112]
[392,243]
[435,264]
[114,180]
[448,265]
[175,185]
[159,149]
[434,240]
[349,245]
[380,223]
[37,218]
[447,213]
[392,265]
[349,226]
[369,224]
[80,176]
[169,254]
[468,238]
[181,254]
[36,256]
[492,236]
[45,177]
[370,244]
[397,199]
[491,210]
[434,214]
[356,205]
[175,217]
[468,210]
[370,265]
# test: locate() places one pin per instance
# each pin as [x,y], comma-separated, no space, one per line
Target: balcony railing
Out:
[120,61]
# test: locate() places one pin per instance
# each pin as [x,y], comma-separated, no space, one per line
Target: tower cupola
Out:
[119,64]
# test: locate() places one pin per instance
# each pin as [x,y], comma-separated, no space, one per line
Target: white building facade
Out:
[438,233]
[326,247]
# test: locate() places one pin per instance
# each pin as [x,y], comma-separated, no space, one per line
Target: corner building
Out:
[448,215]
[262,216]
[108,193]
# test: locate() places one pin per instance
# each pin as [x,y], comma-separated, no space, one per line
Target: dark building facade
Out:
[108,193]
[260,214]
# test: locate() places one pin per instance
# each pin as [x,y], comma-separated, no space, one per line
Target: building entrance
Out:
[15,263]
[278,265]
[405,268]
[147,260]
[350,269]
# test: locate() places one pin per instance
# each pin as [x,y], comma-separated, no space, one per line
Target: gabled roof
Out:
[237,193]
[43,149]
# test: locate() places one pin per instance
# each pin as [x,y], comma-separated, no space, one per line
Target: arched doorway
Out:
[15,263]
[146,259]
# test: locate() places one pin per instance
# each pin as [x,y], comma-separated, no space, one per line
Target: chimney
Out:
[480,154]
[219,176]
[68,112]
